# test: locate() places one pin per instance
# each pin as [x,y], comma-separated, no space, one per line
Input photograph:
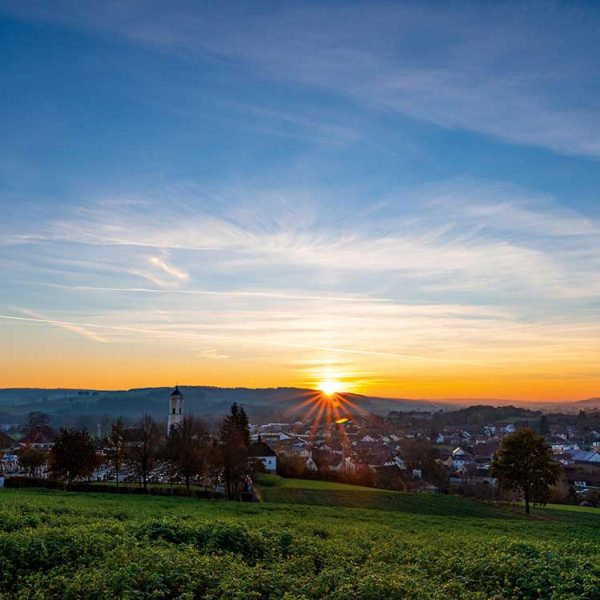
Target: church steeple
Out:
[175,409]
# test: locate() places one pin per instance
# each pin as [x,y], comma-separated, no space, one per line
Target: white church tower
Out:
[175,409]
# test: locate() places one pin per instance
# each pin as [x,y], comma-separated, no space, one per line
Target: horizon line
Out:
[283,387]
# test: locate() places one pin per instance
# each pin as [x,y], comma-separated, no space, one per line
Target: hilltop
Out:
[262,404]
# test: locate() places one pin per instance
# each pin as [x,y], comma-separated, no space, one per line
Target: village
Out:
[414,451]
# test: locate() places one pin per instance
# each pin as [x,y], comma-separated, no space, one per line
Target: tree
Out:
[582,422]
[419,453]
[118,446]
[36,419]
[187,448]
[244,425]
[145,448]
[235,439]
[73,455]
[544,426]
[32,459]
[524,464]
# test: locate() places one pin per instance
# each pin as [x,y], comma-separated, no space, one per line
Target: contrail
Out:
[216,293]
[197,336]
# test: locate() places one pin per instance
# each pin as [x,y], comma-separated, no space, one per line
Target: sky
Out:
[401,197]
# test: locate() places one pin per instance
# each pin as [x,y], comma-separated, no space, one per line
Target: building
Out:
[175,409]
[42,437]
[261,451]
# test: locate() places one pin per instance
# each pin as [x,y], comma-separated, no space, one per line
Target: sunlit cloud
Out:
[169,269]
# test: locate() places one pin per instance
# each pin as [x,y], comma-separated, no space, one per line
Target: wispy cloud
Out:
[169,269]
[474,237]
[220,293]
[522,73]
[36,317]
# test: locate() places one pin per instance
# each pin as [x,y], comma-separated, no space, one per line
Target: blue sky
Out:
[401,196]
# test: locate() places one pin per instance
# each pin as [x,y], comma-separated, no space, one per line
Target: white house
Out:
[261,451]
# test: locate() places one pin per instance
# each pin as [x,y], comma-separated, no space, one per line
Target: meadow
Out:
[382,545]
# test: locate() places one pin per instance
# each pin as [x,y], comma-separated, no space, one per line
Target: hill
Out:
[263,404]
[65,545]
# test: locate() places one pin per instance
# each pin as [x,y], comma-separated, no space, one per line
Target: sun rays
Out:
[327,409]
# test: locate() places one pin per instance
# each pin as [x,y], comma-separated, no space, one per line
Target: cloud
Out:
[471,237]
[169,269]
[210,354]
[523,73]
[72,327]
[277,295]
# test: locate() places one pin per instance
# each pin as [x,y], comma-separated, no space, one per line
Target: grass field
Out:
[65,545]
[275,481]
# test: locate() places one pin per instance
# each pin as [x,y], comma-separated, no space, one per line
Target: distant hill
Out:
[262,404]
[570,406]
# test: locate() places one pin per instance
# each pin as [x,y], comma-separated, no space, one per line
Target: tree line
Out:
[189,453]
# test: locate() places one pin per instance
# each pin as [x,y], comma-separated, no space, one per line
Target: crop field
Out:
[67,545]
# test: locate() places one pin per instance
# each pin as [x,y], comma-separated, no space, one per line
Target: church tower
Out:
[175,409]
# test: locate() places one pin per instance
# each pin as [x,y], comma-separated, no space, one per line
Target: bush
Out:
[102,546]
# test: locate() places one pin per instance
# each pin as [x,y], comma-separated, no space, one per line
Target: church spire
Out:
[175,409]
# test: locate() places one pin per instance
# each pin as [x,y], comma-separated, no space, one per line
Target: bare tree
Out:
[32,459]
[118,447]
[144,448]
[187,448]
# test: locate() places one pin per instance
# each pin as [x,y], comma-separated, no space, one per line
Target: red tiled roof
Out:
[40,435]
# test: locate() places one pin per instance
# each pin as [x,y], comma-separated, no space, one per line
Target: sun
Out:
[329,387]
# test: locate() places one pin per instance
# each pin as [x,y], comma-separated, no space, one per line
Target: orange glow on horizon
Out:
[30,359]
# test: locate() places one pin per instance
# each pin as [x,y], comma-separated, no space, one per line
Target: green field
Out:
[67,545]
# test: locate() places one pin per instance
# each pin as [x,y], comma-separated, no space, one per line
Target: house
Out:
[261,451]
[459,457]
[563,446]
[42,437]
[582,478]
[389,477]
[399,462]
[586,457]
[344,465]
[486,450]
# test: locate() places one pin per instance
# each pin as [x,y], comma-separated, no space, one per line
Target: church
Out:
[175,409]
